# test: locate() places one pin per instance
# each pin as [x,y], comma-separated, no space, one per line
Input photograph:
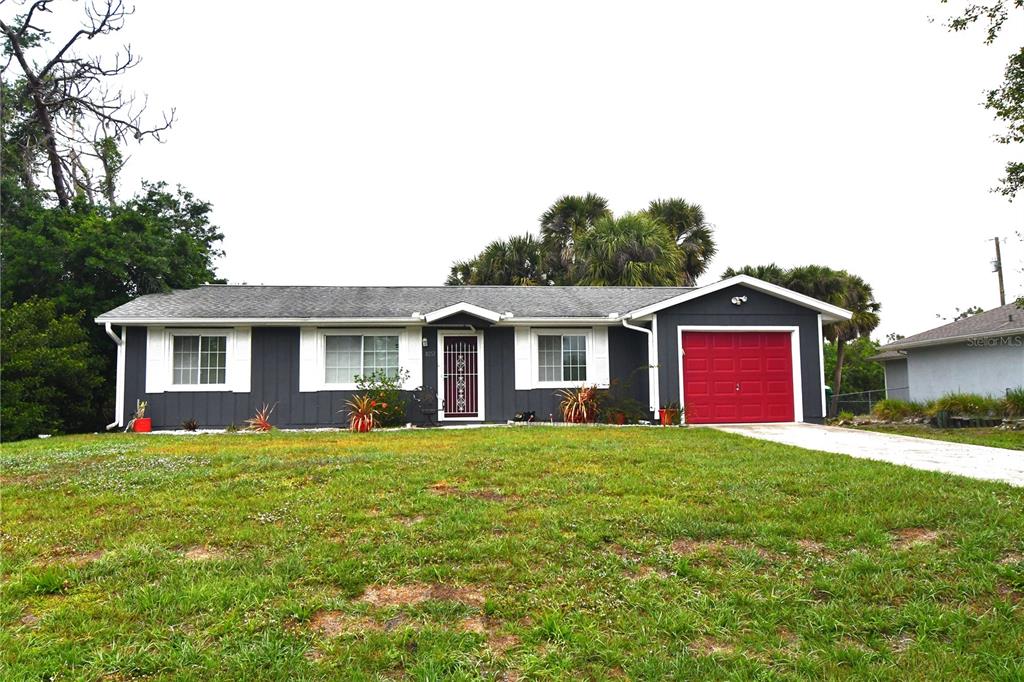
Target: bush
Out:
[1014,402]
[892,410]
[967,405]
[386,390]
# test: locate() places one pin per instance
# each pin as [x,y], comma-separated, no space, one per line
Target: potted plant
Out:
[363,412]
[579,405]
[670,414]
[618,406]
[140,423]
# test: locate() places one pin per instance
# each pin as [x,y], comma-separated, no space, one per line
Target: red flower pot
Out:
[362,424]
[669,417]
[618,418]
[142,425]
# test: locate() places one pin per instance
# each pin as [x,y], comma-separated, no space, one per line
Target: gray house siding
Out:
[897,380]
[760,309]
[986,366]
[275,381]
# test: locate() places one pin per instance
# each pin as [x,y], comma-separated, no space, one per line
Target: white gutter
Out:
[652,364]
[119,391]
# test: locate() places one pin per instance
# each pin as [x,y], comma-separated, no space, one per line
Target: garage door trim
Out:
[794,344]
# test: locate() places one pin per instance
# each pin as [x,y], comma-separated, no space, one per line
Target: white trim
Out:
[832,313]
[657,369]
[230,352]
[480,385]
[652,369]
[313,371]
[596,375]
[505,321]
[794,343]
[462,307]
[821,365]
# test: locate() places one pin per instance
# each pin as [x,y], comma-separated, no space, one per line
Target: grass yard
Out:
[527,553]
[996,438]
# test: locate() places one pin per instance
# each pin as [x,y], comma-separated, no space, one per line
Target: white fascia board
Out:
[560,321]
[899,345]
[829,312]
[462,307]
[261,321]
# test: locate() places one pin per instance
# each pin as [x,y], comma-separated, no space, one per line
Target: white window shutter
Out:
[598,373]
[411,356]
[158,359]
[524,361]
[240,372]
[309,362]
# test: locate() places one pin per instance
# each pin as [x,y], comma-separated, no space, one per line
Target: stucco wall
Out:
[986,366]
[896,380]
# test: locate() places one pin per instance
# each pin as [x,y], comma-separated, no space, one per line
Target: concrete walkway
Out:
[975,461]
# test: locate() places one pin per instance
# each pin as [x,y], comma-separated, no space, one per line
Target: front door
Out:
[461,378]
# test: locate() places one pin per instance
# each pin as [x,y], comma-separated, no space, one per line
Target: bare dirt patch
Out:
[497,641]
[204,553]
[411,520]
[904,538]
[814,547]
[335,623]
[900,643]
[408,595]
[1011,558]
[29,619]
[711,646]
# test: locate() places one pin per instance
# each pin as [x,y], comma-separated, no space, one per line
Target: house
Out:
[982,354]
[750,350]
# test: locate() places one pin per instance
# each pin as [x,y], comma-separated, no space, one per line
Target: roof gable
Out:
[1001,321]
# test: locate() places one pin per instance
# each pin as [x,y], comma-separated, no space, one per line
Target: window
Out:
[562,358]
[349,357]
[200,360]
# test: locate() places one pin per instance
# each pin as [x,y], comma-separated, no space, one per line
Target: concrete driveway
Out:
[975,461]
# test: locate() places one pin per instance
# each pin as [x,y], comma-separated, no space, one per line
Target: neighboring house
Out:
[752,350]
[983,354]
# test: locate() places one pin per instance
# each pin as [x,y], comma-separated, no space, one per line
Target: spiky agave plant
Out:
[261,420]
[579,405]
[362,413]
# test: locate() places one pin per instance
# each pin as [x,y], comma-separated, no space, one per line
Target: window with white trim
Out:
[199,360]
[561,357]
[348,357]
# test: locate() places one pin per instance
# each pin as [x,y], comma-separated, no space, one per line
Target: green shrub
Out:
[967,405]
[1014,402]
[845,416]
[385,390]
[893,410]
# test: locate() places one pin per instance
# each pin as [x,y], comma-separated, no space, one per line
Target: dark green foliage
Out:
[967,405]
[515,261]
[897,410]
[860,372]
[1015,402]
[632,250]
[50,373]
[386,391]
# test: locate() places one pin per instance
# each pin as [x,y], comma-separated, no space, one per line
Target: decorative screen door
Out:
[461,378]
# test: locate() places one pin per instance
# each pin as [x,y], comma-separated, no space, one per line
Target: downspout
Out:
[652,365]
[119,390]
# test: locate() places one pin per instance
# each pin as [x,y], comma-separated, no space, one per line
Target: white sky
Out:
[372,143]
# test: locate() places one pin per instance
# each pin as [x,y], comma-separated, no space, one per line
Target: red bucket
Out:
[143,425]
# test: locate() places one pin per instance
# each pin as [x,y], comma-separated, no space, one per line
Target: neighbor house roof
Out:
[1002,321]
[298,304]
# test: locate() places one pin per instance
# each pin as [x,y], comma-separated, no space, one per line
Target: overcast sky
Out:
[374,142]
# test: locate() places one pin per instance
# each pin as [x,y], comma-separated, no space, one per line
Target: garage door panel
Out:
[758,363]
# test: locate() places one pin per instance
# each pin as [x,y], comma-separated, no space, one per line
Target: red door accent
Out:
[731,377]
[461,389]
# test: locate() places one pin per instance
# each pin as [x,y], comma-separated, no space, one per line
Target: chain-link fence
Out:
[860,402]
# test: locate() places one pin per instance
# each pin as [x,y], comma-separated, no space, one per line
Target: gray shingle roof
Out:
[259,302]
[1007,319]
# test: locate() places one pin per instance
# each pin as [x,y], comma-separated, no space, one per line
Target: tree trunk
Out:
[837,376]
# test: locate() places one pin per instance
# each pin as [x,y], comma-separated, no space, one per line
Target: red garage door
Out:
[733,377]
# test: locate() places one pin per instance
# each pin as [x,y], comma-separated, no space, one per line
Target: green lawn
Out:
[528,553]
[996,438]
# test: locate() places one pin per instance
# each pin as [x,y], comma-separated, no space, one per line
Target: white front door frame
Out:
[441,333]
[794,343]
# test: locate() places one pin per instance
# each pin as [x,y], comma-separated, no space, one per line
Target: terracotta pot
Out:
[142,425]
[618,418]
[669,417]
[362,425]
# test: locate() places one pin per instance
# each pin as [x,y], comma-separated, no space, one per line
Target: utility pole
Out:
[997,266]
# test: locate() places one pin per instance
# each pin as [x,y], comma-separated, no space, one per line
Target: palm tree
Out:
[692,233]
[562,225]
[856,296]
[515,261]
[771,273]
[633,250]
